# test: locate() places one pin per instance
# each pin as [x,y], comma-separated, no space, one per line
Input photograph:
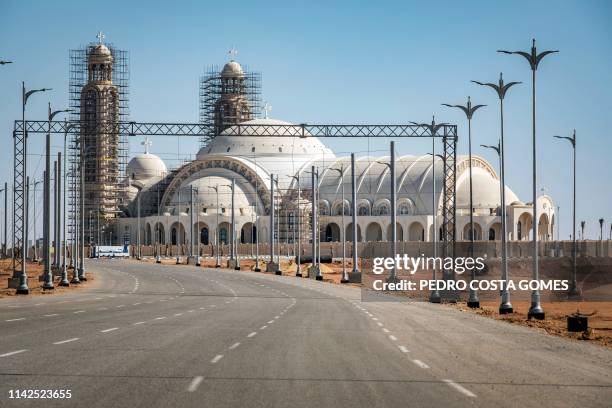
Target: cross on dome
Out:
[233,52]
[266,108]
[100,36]
[147,144]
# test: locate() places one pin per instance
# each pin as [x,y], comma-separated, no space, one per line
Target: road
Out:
[148,335]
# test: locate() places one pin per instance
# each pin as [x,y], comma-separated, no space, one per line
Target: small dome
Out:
[232,69]
[100,54]
[145,166]
[517,203]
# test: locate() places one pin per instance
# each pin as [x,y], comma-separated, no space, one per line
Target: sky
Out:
[346,62]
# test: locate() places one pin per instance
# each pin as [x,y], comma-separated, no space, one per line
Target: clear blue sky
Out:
[346,62]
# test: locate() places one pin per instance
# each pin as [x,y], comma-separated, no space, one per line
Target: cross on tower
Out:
[266,108]
[100,37]
[233,52]
[147,144]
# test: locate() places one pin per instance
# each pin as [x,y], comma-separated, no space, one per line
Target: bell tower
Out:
[99,137]
[232,107]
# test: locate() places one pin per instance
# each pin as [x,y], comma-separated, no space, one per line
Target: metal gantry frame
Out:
[447,133]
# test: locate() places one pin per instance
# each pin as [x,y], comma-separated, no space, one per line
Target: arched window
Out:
[491,234]
[173,236]
[223,235]
[204,236]
[363,210]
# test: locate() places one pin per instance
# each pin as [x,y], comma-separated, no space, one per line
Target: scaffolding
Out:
[99,101]
[212,90]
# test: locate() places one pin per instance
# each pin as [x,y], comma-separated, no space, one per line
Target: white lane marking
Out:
[120,306]
[277,317]
[233,346]
[97,298]
[12,353]
[263,327]
[190,311]
[420,363]
[136,304]
[109,330]
[178,314]
[14,320]
[375,318]
[404,349]
[160,318]
[251,334]
[79,311]
[460,388]
[385,330]
[195,383]
[67,341]
[379,324]
[103,308]
[139,323]
[50,315]
[271,321]
[202,308]
[217,358]
[392,337]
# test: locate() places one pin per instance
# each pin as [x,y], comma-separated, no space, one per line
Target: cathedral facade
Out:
[164,207]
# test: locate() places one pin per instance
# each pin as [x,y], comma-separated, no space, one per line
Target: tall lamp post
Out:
[501,89]
[469,110]
[573,291]
[391,166]
[64,275]
[34,184]
[23,288]
[533,58]
[434,296]
[345,278]
[4,242]
[298,271]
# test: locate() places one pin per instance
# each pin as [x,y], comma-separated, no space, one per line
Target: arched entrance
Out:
[332,232]
[374,232]
[399,231]
[349,233]
[416,232]
[248,233]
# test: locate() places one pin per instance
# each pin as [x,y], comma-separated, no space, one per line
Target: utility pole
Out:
[355,275]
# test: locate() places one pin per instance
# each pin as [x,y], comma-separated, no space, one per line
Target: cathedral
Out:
[162,206]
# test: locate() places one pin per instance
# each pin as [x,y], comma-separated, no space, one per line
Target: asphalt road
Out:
[148,335]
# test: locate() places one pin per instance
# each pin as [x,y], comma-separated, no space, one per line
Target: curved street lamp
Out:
[574,291]
[433,127]
[534,59]
[501,89]
[469,110]
[23,288]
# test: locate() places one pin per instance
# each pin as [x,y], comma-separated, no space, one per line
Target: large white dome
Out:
[145,166]
[281,139]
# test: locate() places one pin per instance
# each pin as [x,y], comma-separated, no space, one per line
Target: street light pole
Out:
[345,278]
[64,275]
[574,291]
[138,225]
[23,288]
[4,242]
[468,109]
[533,58]
[82,276]
[355,270]
[501,88]
[298,271]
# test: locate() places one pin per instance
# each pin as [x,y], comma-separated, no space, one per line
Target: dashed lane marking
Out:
[251,334]
[460,388]
[15,320]
[109,330]
[392,337]
[216,358]
[420,363]
[233,346]
[67,340]
[403,349]
[195,383]
[11,353]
